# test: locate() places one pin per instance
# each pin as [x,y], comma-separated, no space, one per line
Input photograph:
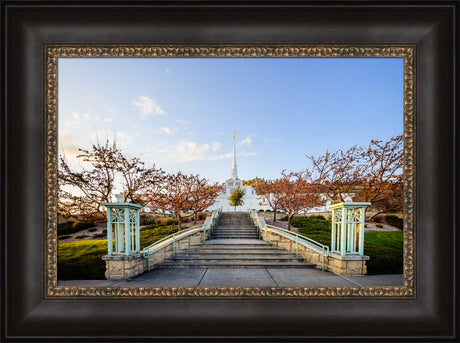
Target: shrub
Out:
[314,227]
[202,216]
[144,219]
[64,237]
[379,225]
[395,221]
[378,219]
[318,216]
[104,231]
[167,221]
[383,260]
[284,219]
[70,227]
[92,229]
[260,211]
[98,235]
[80,236]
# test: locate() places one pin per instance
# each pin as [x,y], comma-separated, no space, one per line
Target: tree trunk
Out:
[274,215]
[195,217]
[179,223]
[289,222]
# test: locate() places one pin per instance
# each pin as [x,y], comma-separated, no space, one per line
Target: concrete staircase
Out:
[236,225]
[234,244]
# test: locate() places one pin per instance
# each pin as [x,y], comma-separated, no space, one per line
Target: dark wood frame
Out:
[26,27]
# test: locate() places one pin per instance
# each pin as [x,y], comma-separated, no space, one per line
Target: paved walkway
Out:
[243,277]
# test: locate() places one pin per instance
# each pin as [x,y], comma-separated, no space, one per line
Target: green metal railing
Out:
[204,228]
[260,224]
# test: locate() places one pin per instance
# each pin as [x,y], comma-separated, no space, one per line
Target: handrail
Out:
[205,227]
[261,224]
[324,248]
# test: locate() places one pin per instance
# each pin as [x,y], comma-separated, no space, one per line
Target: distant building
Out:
[251,199]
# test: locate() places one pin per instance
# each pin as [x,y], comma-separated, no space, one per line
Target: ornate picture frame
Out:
[36,308]
[53,53]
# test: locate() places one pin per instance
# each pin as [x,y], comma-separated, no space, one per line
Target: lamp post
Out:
[348,220]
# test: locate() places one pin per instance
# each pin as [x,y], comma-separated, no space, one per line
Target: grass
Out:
[385,248]
[390,239]
[82,260]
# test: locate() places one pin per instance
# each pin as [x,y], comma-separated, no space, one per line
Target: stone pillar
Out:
[123,260]
[348,219]
[347,238]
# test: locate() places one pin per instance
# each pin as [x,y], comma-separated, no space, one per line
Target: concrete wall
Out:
[122,267]
[335,263]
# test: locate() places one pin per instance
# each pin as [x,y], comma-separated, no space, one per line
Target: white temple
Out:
[251,199]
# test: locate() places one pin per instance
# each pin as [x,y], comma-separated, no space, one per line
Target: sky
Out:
[180,113]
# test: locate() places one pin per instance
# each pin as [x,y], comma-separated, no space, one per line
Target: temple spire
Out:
[234,170]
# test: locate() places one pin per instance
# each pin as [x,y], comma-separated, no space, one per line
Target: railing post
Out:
[137,231]
[296,246]
[127,232]
[174,245]
[148,261]
[109,231]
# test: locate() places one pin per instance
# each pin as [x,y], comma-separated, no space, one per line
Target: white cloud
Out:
[167,71]
[122,138]
[185,151]
[67,145]
[108,120]
[183,122]
[266,140]
[166,130]
[77,120]
[215,146]
[148,106]
[247,141]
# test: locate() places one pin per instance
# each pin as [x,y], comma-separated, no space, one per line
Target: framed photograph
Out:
[84,81]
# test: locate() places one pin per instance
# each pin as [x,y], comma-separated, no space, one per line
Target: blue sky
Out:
[180,113]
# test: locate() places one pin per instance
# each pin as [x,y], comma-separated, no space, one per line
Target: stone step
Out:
[204,264]
[235,233]
[245,225]
[233,260]
[234,236]
[236,225]
[222,245]
[221,229]
[233,255]
[234,248]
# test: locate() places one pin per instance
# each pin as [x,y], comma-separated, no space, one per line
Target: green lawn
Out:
[391,239]
[81,260]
